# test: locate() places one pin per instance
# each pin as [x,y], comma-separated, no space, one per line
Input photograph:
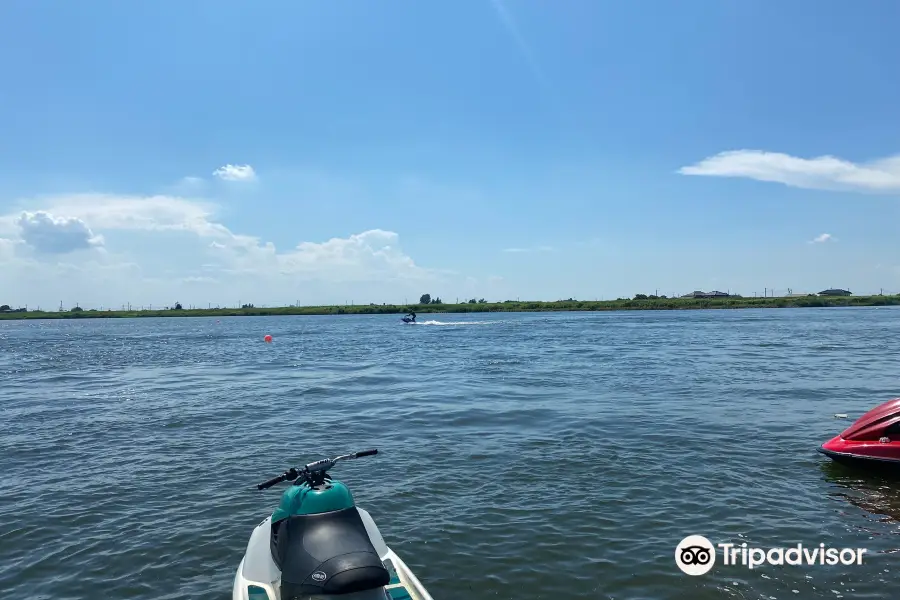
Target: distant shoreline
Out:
[509,306]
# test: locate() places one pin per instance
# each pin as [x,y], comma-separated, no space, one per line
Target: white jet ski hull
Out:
[258,578]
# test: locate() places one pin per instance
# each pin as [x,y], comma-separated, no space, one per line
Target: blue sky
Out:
[346,151]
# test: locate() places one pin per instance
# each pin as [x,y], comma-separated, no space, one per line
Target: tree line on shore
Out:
[435,305]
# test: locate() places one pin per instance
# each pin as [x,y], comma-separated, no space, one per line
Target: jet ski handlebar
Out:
[314,471]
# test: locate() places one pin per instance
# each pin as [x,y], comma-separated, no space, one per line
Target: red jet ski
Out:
[872,441]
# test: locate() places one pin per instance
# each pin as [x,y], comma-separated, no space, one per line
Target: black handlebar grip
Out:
[371,452]
[270,482]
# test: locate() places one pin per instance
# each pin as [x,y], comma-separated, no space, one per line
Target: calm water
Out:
[523,456]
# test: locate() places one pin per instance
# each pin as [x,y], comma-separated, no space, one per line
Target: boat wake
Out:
[452,323]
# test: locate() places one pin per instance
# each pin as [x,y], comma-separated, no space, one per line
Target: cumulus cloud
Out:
[822,238]
[373,252]
[107,211]
[361,255]
[823,172]
[182,245]
[373,255]
[52,234]
[7,249]
[235,173]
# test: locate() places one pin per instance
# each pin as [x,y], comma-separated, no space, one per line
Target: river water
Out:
[522,456]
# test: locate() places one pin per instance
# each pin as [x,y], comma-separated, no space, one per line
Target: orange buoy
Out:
[268,338]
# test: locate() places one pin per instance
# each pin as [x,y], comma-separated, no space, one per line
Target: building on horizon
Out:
[835,292]
[712,294]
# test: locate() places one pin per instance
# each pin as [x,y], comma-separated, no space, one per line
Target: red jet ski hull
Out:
[872,441]
[862,454]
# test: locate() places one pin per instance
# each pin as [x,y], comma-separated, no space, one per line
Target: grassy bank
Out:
[509,306]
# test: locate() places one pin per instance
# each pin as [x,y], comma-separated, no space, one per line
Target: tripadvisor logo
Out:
[696,555]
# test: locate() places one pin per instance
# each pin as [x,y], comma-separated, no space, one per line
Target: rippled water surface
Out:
[523,456]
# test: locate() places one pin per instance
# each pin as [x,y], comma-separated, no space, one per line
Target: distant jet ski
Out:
[410,318]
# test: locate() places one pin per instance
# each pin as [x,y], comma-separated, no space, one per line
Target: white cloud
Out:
[235,173]
[535,249]
[823,172]
[183,251]
[368,253]
[50,234]
[105,211]
[7,249]
[822,238]
[373,255]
